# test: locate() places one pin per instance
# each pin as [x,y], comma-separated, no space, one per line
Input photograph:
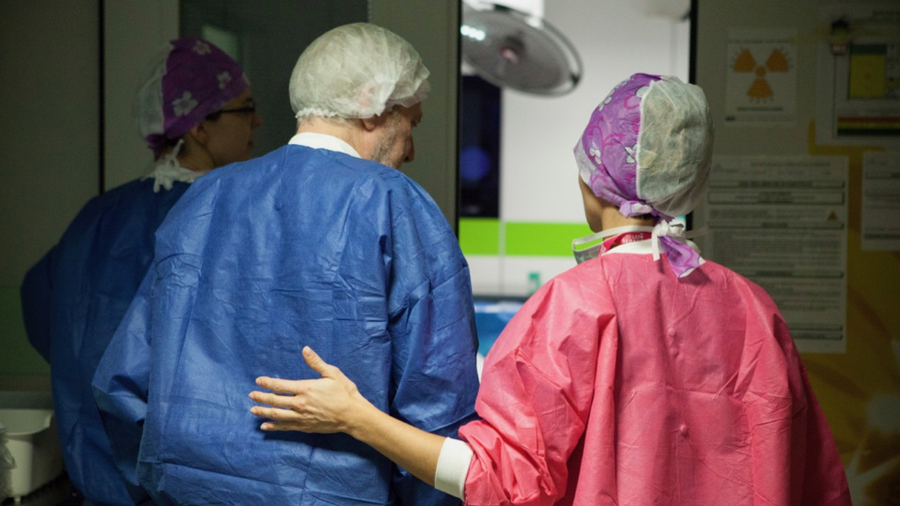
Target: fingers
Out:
[282,401]
[287,420]
[283,426]
[279,419]
[280,385]
[274,413]
[312,405]
[315,362]
[291,386]
[279,415]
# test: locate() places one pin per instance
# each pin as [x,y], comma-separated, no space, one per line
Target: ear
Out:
[373,122]
[199,133]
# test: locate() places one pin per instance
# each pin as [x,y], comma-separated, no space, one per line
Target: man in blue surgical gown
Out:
[321,242]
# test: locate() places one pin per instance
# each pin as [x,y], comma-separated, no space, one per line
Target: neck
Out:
[192,157]
[196,159]
[348,132]
[612,218]
[194,164]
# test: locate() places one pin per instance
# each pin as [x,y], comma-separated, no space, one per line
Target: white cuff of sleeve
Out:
[452,467]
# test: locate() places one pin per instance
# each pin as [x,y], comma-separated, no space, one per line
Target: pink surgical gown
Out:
[619,384]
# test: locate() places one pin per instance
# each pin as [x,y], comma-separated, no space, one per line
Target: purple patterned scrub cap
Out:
[188,81]
[648,149]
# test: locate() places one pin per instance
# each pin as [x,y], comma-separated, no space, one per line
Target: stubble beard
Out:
[383,150]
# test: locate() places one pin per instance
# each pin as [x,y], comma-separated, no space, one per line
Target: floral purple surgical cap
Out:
[648,149]
[190,80]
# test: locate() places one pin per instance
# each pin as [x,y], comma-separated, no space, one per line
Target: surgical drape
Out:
[619,384]
[72,301]
[299,247]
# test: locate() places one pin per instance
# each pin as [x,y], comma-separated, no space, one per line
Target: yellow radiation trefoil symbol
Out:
[760,88]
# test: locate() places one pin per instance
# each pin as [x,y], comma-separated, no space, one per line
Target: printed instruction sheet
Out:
[782,223]
[881,201]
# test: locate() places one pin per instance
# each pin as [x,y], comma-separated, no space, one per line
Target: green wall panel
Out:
[543,239]
[479,236]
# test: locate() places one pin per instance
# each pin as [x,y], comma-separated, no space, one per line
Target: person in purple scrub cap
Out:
[195,111]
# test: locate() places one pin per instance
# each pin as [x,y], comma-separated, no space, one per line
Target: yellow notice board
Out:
[860,389]
[784,79]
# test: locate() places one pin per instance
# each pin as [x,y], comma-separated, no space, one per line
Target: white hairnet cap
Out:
[676,141]
[358,70]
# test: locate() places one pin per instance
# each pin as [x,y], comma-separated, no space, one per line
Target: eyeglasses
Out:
[243,110]
[250,110]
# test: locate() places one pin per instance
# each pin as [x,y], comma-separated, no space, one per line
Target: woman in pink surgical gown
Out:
[644,375]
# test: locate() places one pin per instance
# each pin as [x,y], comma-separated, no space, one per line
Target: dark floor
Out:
[58,492]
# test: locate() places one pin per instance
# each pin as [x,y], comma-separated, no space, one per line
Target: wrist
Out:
[360,417]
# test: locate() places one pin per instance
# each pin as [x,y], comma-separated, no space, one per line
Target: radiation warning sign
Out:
[761,84]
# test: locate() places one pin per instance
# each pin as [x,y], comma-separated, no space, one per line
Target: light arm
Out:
[333,404]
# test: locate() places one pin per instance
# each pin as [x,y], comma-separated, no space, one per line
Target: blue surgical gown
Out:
[72,301]
[299,247]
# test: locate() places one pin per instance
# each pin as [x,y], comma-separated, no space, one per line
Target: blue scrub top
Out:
[72,301]
[299,247]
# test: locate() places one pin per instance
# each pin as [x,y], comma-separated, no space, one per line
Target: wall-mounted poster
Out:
[782,223]
[881,202]
[761,86]
[858,82]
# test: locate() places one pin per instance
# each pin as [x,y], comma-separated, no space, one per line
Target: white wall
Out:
[538,174]
[614,40]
